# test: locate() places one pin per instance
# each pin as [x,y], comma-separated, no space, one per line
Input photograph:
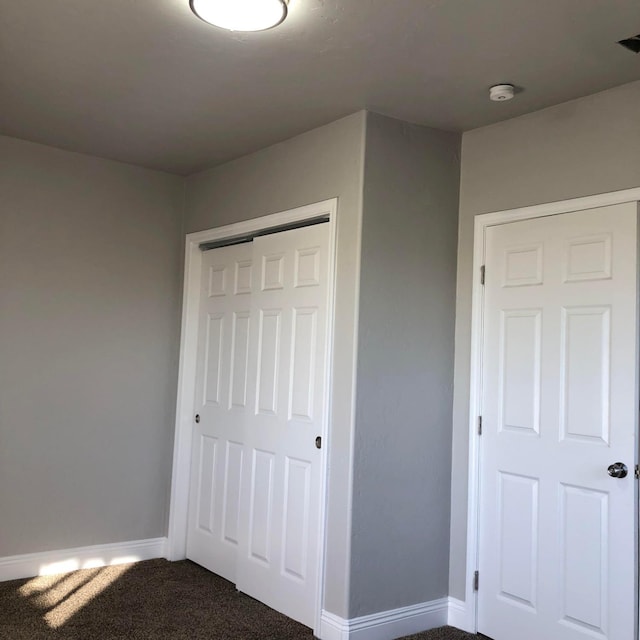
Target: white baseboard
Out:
[386,625]
[459,615]
[63,560]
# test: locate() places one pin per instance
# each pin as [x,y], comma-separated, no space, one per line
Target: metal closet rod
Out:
[227,242]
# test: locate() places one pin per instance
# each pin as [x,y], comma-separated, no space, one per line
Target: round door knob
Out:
[618,470]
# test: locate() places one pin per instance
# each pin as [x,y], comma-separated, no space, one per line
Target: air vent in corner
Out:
[632,43]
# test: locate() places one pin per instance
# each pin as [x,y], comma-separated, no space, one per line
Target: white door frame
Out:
[185,408]
[481,223]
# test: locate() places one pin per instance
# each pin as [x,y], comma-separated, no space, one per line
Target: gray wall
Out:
[90,261]
[579,148]
[401,486]
[318,165]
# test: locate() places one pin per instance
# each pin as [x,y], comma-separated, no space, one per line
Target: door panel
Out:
[585,344]
[239,359]
[278,562]
[518,538]
[557,533]
[520,370]
[221,391]
[584,532]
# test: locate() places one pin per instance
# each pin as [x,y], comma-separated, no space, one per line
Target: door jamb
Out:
[481,223]
[185,407]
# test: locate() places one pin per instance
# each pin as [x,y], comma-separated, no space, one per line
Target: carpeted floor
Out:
[153,600]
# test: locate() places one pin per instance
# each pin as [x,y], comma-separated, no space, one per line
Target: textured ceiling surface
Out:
[146,82]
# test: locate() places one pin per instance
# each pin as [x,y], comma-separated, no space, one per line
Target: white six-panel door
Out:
[557,551]
[282,473]
[222,403]
[254,512]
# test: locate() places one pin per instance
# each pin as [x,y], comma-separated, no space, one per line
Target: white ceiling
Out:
[146,82]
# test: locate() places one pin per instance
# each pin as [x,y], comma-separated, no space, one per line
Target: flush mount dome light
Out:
[241,15]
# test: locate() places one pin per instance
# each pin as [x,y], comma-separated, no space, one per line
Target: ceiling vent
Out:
[632,43]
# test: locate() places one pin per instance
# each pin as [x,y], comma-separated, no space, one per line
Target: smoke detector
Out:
[501,92]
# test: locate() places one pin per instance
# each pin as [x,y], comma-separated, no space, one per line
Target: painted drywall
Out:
[318,165]
[579,148]
[401,478]
[90,262]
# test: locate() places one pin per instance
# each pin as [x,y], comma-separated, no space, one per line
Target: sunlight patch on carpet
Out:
[61,598]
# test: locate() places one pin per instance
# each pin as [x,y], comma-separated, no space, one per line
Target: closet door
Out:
[255,498]
[222,407]
[281,482]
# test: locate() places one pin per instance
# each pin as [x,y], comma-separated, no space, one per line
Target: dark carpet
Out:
[153,600]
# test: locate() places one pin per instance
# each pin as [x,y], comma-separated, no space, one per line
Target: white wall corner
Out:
[459,615]
[63,560]
[386,625]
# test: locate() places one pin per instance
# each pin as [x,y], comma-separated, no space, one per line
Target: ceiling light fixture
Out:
[241,15]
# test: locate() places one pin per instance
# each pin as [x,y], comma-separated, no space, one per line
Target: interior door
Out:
[221,405]
[558,551]
[281,484]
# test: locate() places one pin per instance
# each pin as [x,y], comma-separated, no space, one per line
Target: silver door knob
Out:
[618,470]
